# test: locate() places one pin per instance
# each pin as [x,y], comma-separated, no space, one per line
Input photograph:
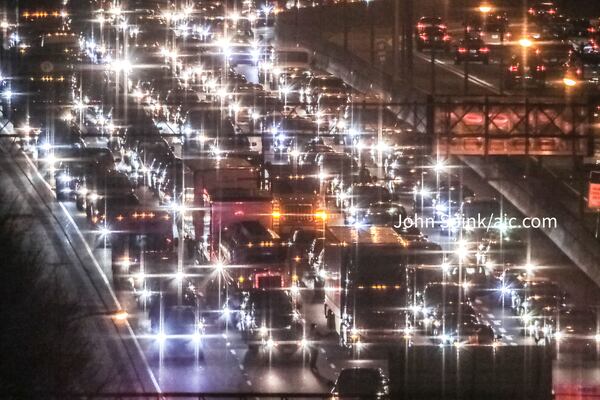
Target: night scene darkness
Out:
[300,199]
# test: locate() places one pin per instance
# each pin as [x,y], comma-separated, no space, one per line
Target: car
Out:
[583,66]
[438,293]
[361,382]
[575,330]
[357,198]
[269,319]
[326,86]
[542,10]
[492,27]
[178,330]
[298,252]
[527,70]
[432,33]
[472,49]
[250,242]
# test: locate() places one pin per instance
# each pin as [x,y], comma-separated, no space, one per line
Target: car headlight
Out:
[64,178]
[263,331]
[197,337]
[558,336]
[270,343]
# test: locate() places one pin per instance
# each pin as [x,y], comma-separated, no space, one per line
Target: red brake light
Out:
[462,50]
[484,50]
[446,38]
[513,68]
[540,68]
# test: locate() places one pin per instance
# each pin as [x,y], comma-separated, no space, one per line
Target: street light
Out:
[525,43]
[485,8]
[569,82]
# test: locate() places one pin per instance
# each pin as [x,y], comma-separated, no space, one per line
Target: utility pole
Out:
[397,63]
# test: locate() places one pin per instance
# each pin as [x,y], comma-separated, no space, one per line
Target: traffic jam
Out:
[235,188]
[550,53]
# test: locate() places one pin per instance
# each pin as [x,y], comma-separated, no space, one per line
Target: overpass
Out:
[499,148]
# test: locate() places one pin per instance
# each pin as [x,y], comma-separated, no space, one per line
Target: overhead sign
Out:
[508,126]
[594,191]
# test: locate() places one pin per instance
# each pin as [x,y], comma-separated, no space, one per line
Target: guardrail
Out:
[179,395]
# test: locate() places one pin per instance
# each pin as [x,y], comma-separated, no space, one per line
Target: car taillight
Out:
[578,71]
[540,68]
[513,68]
[484,50]
[446,38]
[423,36]
[462,50]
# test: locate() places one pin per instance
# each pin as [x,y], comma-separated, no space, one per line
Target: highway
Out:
[128,350]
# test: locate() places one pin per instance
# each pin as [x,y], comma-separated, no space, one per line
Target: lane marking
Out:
[497,322]
[491,316]
[232,351]
[332,365]
[248,382]
[503,330]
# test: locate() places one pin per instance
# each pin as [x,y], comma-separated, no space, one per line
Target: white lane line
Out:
[509,337]
[503,330]
[478,301]
[490,315]
[485,309]
[241,367]
[513,343]
[232,351]
[497,322]
[332,365]
[248,382]
[100,271]
[323,350]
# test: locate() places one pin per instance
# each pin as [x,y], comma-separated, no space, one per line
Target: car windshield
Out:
[291,57]
[359,381]
[291,186]
[439,294]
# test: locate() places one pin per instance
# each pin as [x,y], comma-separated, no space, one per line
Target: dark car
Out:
[433,37]
[526,71]
[576,330]
[178,330]
[298,252]
[250,242]
[472,49]
[71,170]
[269,319]
[361,382]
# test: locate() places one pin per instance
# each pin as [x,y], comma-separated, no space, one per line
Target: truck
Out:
[297,201]
[366,285]
[222,191]
[143,242]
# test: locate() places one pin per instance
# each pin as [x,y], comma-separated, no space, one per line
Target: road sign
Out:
[594,191]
